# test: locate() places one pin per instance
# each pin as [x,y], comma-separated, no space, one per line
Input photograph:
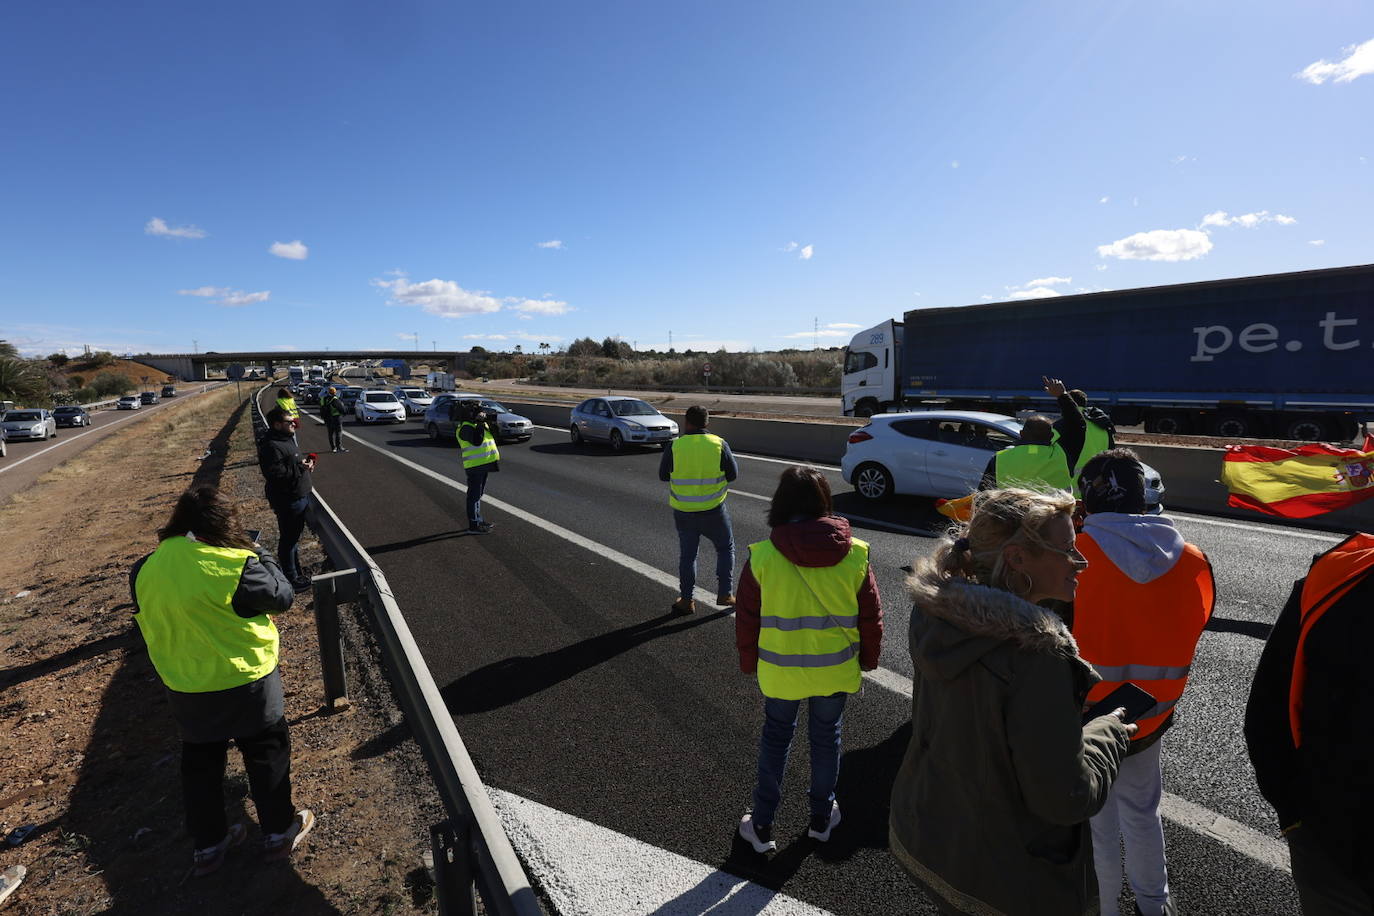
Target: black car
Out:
[169,391]
[149,397]
[71,416]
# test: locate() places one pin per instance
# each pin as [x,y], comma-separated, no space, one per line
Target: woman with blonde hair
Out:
[990,807]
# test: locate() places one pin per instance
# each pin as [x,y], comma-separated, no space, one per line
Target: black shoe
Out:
[301,583]
[479,529]
[485,526]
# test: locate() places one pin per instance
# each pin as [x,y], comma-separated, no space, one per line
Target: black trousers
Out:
[290,526]
[266,758]
[335,429]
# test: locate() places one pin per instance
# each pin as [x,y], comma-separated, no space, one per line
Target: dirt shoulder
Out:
[88,752]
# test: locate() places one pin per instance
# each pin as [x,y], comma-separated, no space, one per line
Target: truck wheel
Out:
[1234,426]
[866,408]
[1168,424]
[1307,428]
[873,482]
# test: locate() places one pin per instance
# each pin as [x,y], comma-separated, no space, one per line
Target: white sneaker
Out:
[821,825]
[281,845]
[760,836]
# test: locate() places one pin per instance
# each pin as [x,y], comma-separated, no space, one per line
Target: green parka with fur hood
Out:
[990,807]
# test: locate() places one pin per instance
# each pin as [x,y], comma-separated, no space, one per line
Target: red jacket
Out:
[814,542]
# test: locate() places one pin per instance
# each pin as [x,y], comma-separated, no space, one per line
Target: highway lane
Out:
[574,689]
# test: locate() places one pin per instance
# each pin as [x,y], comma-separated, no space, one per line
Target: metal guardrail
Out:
[709,389]
[471,849]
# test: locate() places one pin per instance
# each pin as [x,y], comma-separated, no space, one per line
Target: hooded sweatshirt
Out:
[813,542]
[1144,547]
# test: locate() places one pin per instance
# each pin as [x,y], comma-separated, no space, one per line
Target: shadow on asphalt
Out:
[416,542]
[907,511]
[1253,628]
[594,451]
[520,677]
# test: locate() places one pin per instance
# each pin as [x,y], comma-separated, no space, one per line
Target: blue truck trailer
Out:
[1284,355]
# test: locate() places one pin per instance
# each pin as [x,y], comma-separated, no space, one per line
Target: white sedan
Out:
[29,424]
[375,406]
[415,400]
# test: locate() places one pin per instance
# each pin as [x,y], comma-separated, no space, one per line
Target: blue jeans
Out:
[779,722]
[290,524]
[477,485]
[714,524]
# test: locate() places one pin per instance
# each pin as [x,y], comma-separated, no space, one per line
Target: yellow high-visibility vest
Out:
[474,456]
[1033,466]
[197,643]
[697,483]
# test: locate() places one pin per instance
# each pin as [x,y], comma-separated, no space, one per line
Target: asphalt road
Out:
[574,688]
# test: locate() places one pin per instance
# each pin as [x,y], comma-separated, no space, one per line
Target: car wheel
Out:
[575,434]
[433,433]
[873,482]
[617,441]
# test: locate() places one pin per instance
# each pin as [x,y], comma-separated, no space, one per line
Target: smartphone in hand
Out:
[253,535]
[1136,702]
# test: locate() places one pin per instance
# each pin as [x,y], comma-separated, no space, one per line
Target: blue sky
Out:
[345,174]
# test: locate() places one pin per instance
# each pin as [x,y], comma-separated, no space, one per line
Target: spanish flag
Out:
[961,510]
[1297,483]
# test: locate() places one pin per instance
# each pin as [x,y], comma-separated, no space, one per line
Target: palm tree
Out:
[21,382]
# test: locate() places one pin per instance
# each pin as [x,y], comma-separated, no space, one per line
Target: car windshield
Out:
[492,405]
[380,397]
[22,416]
[632,408]
[67,410]
[414,393]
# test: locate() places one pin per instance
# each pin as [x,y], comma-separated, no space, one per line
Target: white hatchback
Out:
[940,453]
[374,406]
[415,400]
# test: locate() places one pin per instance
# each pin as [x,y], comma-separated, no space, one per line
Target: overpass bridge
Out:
[191,367]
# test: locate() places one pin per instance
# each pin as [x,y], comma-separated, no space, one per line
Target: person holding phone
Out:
[1140,610]
[288,487]
[990,805]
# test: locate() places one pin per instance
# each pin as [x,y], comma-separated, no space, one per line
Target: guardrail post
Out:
[330,589]
[453,874]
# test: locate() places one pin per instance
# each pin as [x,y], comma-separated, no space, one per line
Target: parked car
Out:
[938,453]
[129,402]
[415,400]
[169,391]
[378,406]
[348,395]
[71,416]
[441,421]
[148,397]
[29,424]
[620,421]
[3,450]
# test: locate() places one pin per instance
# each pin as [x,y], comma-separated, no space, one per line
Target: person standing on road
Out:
[332,412]
[1083,431]
[288,487]
[1312,752]
[990,805]
[1139,612]
[698,468]
[1037,461]
[201,601]
[477,438]
[808,620]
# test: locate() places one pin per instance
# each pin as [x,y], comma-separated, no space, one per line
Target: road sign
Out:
[706,369]
[234,372]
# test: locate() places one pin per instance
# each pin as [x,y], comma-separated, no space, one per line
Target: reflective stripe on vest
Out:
[696,482]
[1033,465]
[289,405]
[1142,633]
[808,623]
[474,456]
[195,640]
[1332,575]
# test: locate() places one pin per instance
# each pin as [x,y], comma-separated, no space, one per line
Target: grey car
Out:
[71,416]
[29,424]
[620,421]
[442,425]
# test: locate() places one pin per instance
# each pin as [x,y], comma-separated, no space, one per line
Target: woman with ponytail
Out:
[990,807]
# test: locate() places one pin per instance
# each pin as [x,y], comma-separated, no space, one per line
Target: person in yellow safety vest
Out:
[1141,606]
[477,438]
[287,403]
[808,620]
[1035,463]
[1083,431]
[698,468]
[201,601]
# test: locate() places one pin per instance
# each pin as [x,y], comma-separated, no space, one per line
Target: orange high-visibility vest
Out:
[1334,574]
[1145,634]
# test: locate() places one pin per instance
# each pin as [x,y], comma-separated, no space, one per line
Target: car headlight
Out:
[633,426]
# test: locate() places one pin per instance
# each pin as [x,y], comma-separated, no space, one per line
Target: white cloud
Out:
[807,252]
[1245,220]
[1103,199]
[845,324]
[1050,281]
[205,291]
[1159,245]
[485,337]
[954,163]
[158,226]
[238,297]
[803,334]
[1100,267]
[1177,160]
[1317,242]
[541,306]
[985,297]
[1038,292]
[293,251]
[790,246]
[556,244]
[1358,61]
[402,335]
[439,297]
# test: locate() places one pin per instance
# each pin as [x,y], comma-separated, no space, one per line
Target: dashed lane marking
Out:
[1197,818]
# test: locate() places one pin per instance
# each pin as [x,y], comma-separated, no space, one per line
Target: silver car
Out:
[415,400]
[442,424]
[620,421]
[378,406]
[29,424]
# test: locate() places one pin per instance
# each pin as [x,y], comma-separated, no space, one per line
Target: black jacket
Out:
[1072,427]
[1327,783]
[286,478]
[332,410]
[471,433]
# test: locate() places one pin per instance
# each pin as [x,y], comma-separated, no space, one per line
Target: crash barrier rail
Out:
[471,850]
[714,389]
[1189,472]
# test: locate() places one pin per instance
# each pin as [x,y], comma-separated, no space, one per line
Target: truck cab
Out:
[871,375]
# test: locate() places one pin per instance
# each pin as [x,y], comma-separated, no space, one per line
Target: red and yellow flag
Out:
[961,510]
[1297,483]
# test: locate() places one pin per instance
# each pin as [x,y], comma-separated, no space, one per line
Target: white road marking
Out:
[1275,530]
[805,464]
[1245,840]
[582,868]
